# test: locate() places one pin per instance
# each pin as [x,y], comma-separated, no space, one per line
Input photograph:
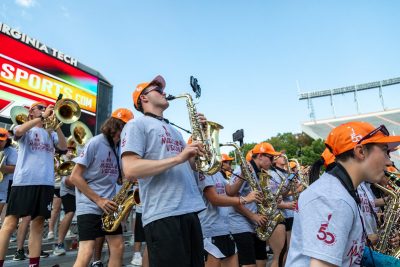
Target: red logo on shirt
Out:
[355,252]
[323,235]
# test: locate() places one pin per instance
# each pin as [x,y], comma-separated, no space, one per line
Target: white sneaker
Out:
[59,250]
[50,235]
[70,234]
[137,259]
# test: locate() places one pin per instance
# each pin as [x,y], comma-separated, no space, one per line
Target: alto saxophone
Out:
[264,208]
[124,201]
[389,227]
[210,163]
[274,215]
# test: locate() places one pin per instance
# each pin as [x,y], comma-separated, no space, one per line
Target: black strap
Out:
[165,120]
[342,175]
[113,148]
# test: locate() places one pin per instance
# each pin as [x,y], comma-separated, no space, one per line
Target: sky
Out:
[251,58]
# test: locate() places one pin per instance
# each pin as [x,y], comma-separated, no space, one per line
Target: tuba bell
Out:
[19,115]
[80,133]
[66,111]
[65,168]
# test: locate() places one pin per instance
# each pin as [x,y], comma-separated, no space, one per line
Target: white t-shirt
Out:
[173,192]
[367,202]
[101,173]
[35,163]
[327,226]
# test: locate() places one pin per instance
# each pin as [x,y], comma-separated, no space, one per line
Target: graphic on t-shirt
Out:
[123,141]
[220,188]
[201,176]
[172,144]
[327,237]
[107,166]
[355,252]
[37,145]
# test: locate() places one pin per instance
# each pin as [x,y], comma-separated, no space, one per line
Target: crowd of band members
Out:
[189,218]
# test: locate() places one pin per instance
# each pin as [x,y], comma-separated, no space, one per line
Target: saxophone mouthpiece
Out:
[170,97]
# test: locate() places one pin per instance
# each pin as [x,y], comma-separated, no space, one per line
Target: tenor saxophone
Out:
[210,163]
[124,201]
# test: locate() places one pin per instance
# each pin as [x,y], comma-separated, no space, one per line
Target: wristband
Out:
[242,200]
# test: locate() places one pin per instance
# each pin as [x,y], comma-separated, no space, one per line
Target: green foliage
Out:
[299,146]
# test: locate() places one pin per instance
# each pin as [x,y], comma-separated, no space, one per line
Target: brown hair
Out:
[111,126]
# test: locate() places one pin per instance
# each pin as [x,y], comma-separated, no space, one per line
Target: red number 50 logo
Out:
[324,235]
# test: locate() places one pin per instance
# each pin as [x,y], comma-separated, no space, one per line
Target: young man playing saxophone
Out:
[154,152]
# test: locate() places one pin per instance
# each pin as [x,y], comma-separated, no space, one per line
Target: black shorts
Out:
[250,248]
[289,224]
[9,190]
[223,244]
[68,202]
[139,231]
[90,227]
[57,192]
[175,241]
[30,200]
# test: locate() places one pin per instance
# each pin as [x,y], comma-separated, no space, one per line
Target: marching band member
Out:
[7,168]
[329,229]
[67,193]
[251,250]
[95,175]
[33,179]
[278,241]
[219,245]
[154,152]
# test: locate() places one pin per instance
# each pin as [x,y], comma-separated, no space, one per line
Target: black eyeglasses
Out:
[40,107]
[157,89]
[382,128]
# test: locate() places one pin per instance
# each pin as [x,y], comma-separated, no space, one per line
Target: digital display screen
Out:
[28,75]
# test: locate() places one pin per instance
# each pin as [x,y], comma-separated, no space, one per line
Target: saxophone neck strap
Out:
[114,148]
[160,118]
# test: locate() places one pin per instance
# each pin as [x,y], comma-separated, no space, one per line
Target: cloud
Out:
[25,3]
[65,12]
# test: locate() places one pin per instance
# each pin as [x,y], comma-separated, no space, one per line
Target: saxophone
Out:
[274,215]
[125,201]
[2,161]
[389,227]
[299,178]
[210,163]
[263,208]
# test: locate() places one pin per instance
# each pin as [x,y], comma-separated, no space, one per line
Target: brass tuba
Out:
[125,201]
[80,133]
[65,168]
[19,115]
[66,111]
[211,162]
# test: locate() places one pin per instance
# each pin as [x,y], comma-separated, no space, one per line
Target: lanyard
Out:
[113,148]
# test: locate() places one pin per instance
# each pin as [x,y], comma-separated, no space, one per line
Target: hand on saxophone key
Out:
[253,196]
[107,205]
[395,241]
[191,150]
[259,219]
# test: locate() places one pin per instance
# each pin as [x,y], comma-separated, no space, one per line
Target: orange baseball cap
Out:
[328,157]
[265,148]
[37,104]
[391,169]
[292,164]
[225,157]
[249,155]
[158,81]
[123,114]
[346,136]
[3,134]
